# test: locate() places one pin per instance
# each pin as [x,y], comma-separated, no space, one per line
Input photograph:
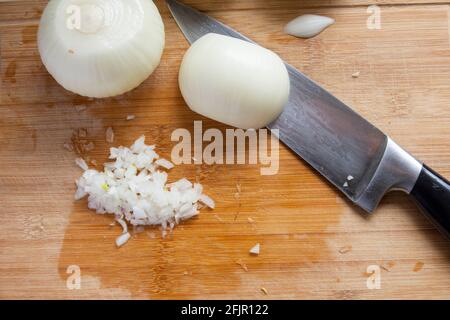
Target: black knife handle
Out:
[432,192]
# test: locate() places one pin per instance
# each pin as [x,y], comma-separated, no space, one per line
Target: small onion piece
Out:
[100,48]
[122,239]
[81,163]
[308,25]
[166,164]
[255,250]
[233,81]
[207,201]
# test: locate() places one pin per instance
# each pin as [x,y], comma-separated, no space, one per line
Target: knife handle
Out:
[432,192]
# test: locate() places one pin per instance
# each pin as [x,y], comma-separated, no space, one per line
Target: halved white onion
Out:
[233,81]
[100,48]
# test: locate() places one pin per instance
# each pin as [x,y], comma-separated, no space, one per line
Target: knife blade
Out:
[355,156]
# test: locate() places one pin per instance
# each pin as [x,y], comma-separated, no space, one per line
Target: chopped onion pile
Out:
[133,188]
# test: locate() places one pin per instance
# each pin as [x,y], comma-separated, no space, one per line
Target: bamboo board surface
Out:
[314,243]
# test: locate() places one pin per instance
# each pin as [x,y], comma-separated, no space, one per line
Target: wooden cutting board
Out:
[314,243]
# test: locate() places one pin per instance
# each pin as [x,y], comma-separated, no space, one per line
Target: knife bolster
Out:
[397,170]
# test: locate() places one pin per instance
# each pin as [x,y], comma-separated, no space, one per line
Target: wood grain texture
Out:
[314,243]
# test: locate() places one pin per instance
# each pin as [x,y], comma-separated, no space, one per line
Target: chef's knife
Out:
[360,160]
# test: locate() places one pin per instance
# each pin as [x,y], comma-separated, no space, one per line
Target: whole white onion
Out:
[100,48]
[233,81]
